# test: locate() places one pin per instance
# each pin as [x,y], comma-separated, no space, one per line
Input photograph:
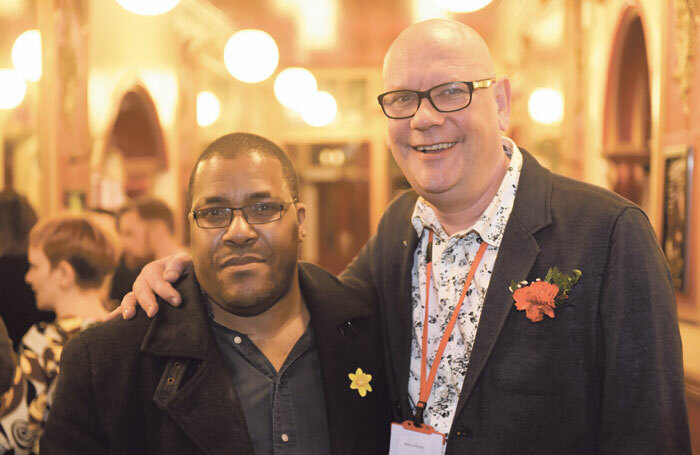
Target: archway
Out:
[134,150]
[627,127]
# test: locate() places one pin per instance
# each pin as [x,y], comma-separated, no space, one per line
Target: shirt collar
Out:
[487,226]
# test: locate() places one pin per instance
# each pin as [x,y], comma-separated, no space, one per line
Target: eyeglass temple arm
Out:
[484,83]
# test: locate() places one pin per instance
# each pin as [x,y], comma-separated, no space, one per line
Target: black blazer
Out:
[604,376]
[161,386]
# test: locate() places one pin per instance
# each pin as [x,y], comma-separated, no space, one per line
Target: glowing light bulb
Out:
[319,109]
[251,55]
[463,6]
[546,106]
[12,89]
[148,7]
[293,86]
[26,55]
[208,108]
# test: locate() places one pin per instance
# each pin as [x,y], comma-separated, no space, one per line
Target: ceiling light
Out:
[251,55]
[208,108]
[26,55]
[319,109]
[12,89]
[148,7]
[462,6]
[546,106]
[293,86]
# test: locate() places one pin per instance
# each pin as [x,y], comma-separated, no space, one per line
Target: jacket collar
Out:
[516,256]
[206,408]
[210,397]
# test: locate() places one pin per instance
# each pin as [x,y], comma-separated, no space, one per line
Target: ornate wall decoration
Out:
[687,17]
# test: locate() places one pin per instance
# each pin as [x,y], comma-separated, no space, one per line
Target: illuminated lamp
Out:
[26,55]
[546,106]
[208,108]
[12,89]
[463,6]
[148,7]
[293,86]
[251,55]
[319,109]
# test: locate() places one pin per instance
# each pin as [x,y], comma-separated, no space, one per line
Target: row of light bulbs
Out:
[26,59]
[251,56]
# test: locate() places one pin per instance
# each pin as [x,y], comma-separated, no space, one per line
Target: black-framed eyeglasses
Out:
[448,97]
[258,213]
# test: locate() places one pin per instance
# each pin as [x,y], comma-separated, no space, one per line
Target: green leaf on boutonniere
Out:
[513,286]
[563,281]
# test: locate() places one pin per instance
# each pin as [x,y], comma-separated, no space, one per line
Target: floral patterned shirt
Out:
[24,408]
[452,258]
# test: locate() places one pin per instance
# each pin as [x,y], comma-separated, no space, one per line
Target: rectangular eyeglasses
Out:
[258,213]
[448,97]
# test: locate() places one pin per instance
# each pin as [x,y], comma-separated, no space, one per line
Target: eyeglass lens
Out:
[216,217]
[446,97]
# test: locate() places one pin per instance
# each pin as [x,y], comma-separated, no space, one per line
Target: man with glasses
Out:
[265,355]
[523,312]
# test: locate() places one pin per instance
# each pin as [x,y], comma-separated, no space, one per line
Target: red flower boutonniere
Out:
[542,297]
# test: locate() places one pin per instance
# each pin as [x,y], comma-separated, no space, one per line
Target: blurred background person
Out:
[71,262]
[17,306]
[7,359]
[147,231]
[105,218]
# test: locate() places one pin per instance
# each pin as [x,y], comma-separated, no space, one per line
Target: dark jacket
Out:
[161,386]
[17,304]
[7,360]
[604,376]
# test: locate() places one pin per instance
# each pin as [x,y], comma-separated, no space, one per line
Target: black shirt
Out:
[285,410]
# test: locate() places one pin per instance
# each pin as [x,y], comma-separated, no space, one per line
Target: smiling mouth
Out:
[434,147]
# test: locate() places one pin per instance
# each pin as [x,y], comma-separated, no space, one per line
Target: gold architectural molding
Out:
[687,16]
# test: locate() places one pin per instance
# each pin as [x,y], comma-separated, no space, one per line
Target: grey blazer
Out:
[604,376]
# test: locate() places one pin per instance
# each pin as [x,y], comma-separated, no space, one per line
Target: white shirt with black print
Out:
[452,258]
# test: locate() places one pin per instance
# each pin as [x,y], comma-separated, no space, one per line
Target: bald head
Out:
[438,39]
[453,157]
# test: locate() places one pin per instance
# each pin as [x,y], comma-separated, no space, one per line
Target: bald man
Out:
[548,324]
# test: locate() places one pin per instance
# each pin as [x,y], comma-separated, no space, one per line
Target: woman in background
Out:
[71,262]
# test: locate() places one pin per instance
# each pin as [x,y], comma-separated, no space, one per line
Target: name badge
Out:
[408,439]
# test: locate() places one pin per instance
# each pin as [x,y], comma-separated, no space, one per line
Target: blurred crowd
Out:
[58,275]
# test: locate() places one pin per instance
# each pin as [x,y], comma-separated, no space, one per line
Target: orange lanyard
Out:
[426,384]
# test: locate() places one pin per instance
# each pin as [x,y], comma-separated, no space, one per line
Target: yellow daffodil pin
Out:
[360,382]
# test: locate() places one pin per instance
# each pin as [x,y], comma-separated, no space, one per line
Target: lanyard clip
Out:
[418,418]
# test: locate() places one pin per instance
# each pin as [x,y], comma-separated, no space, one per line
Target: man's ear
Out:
[66,274]
[502,95]
[301,216]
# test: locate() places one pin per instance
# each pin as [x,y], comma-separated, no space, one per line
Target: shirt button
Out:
[284,437]
[237,340]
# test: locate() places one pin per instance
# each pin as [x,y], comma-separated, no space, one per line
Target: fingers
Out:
[175,265]
[112,314]
[152,281]
[127,308]
[143,296]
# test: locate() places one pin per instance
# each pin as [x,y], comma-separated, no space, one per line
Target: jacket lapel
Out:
[396,303]
[342,348]
[518,252]
[206,407]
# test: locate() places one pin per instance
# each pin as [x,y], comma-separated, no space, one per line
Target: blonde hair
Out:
[91,250]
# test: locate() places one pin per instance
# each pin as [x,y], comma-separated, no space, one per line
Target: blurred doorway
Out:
[628,112]
[135,151]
